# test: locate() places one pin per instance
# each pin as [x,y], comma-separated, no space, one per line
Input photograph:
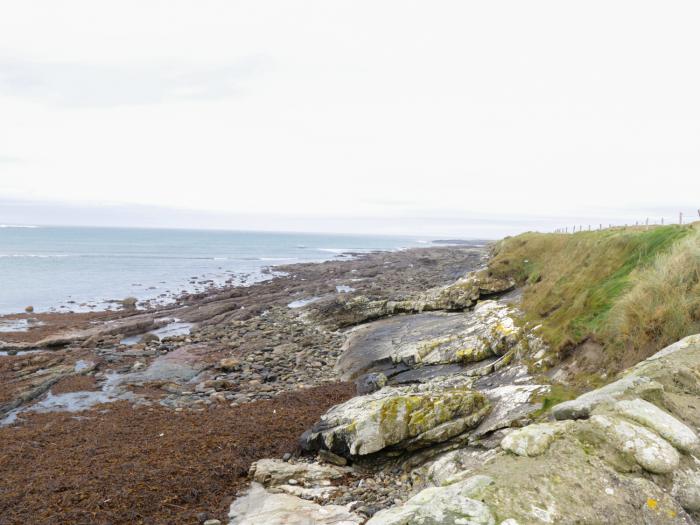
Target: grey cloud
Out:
[77,84]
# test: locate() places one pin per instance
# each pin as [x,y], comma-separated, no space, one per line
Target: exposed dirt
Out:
[118,464]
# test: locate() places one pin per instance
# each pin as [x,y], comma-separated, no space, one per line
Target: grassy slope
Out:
[633,290]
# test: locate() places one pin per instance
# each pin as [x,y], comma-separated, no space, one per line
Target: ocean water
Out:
[83,269]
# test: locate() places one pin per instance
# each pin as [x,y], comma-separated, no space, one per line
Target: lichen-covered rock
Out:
[663,423]
[460,295]
[650,451]
[491,331]
[451,467]
[411,417]
[583,406]
[512,398]
[621,465]
[437,338]
[533,440]
[570,484]
[259,507]
[451,505]
[273,472]
[686,489]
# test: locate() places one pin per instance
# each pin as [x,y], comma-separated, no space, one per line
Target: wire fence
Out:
[682,219]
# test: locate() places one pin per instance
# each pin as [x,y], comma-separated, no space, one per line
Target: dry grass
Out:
[663,304]
[632,289]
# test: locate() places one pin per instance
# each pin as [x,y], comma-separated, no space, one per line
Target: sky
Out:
[446,117]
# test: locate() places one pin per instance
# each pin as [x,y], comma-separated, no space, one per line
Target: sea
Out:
[61,269]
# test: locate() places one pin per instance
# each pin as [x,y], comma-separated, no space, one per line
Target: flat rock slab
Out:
[180,365]
[259,506]
[371,346]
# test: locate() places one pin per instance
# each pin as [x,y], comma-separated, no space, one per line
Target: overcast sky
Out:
[459,117]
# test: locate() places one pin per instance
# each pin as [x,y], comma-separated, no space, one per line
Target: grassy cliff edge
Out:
[631,291]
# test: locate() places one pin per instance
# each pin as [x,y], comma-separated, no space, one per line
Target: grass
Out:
[630,289]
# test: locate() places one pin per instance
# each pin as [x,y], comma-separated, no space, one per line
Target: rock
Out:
[212,522]
[409,417]
[451,505]
[571,483]
[650,451]
[259,507]
[129,303]
[149,338]
[582,406]
[686,489]
[490,331]
[435,338]
[228,364]
[29,309]
[334,459]
[273,472]
[460,295]
[664,424]
[533,440]
[369,383]
[511,404]
[647,379]
[451,467]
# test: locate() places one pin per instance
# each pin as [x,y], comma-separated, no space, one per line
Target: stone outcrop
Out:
[621,454]
[630,461]
[406,417]
[460,295]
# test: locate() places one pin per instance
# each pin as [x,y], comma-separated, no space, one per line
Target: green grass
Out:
[580,286]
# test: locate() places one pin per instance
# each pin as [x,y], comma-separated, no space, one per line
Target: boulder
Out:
[533,440]
[650,451]
[405,417]
[273,472]
[661,422]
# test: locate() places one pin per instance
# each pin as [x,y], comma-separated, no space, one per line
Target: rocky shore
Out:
[390,389]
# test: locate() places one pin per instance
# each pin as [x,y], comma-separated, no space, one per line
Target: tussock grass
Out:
[628,288]
[663,303]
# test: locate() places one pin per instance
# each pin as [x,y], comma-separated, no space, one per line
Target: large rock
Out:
[650,451]
[455,504]
[487,332]
[533,440]
[663,423]
[406,417]
[260,507]
[490,331]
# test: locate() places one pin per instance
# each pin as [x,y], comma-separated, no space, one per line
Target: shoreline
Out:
[247,347]
[95,271]
[51,321]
